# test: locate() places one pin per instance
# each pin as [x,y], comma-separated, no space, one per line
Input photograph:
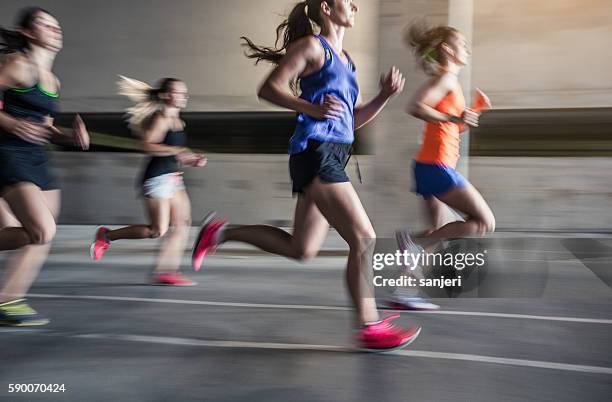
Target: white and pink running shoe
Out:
[100,244]
[207,240]
[385,337]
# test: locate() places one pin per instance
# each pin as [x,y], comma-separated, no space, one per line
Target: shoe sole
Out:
[398,347]
[32,323]
[176,285]
[397,306]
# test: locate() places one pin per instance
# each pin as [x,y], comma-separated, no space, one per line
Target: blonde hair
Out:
[426,41]
[145,97]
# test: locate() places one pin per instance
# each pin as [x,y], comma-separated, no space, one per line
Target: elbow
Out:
[260,93]
[414,111]
[264,92]
[418,110]
[268,91]
[145,148]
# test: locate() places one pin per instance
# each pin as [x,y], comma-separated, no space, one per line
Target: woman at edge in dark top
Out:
[31,199]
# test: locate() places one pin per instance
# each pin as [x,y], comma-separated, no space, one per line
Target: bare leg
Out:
[436,211]
[39,213]
[175,242]
[159,214]
[340,205]
[309,231]
[467,200]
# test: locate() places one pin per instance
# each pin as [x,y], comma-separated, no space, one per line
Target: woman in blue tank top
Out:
[31,198]
[329,111]
[156,120]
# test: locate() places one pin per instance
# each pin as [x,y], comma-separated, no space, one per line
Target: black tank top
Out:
[160,165]
[34,104]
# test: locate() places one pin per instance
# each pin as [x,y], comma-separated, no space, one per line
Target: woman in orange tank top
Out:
[442,52]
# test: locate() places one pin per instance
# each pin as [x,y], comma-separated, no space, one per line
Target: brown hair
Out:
[14,40]
[296,26]
[426,41]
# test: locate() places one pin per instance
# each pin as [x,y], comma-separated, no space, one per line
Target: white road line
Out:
[506,361]
[519,316]
[330,348]
[313,307]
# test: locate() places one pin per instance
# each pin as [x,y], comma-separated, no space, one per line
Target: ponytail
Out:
[298,24]
[145,98]
[426,44]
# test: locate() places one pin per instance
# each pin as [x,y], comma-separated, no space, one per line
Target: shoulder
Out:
[439,83]
[449,81]
[157,122]
[17,69]
[309,45]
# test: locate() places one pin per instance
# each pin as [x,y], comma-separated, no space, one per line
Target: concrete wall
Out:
[102,187]
[543,54]
[524,193]
[546,193]
[196,40]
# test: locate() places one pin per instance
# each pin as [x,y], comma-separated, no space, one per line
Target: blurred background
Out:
[541,157]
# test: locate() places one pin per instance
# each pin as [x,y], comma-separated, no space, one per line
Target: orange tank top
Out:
[441,140]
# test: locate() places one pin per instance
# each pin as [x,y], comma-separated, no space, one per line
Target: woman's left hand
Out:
[191,159]
[81,136]
[200,160]
[392,83]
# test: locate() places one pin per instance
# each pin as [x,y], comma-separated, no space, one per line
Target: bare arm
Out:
[78,136]
[423,104]
[152,137]
[390,85]
[304,56]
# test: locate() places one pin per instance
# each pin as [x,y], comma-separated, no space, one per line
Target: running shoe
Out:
[405,300]
[207,240]
[171,279]
[405,243]
[385,337]
[100,244]
[18,313]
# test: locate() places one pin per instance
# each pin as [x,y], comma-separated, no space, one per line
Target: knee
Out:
[486,225]
[364,240]
[41,233]
[491,225]
[157,231]
[305,254]
[183,222]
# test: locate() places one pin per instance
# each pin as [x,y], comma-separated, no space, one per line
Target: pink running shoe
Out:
[385,337]
[100,244]
[171,279]
[207,240]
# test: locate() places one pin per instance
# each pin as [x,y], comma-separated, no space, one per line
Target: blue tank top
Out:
[160,165]
[334,78]
[33,104]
